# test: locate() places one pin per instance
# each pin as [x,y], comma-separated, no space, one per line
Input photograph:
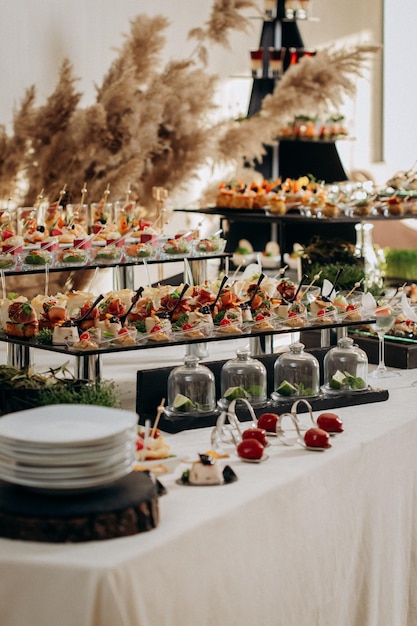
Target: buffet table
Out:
[302,539]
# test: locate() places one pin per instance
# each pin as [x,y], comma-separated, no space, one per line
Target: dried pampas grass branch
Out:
[152,125]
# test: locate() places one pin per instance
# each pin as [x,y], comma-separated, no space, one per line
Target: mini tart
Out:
[125,339]
[194,333]
[230,329]
[158,336]
[353,316]
[295,322]
[85,344]
[263,325]
[322,320]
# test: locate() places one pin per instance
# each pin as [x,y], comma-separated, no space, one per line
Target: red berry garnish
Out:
[84,336]
[156,329]
[123,331]
[321,312]
[259,317]
[350,307]
[225,322]
[186,327]
[292,314]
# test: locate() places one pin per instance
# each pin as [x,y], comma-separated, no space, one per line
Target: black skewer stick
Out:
[178,302]
[135,298]
[327,298]
[78,321]
[209,308]
[248,303]
[303,280]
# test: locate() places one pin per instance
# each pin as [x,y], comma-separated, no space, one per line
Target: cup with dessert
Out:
[176,247]
[304,9]
[108,255]
[270,8]
[139,251]
[257,62]
[76,257]
[275,62]
[13,245]
[291,8]
[78,214]
[210,245]
[8,261]
[36,259]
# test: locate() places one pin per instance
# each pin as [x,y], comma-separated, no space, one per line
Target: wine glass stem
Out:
[381,350]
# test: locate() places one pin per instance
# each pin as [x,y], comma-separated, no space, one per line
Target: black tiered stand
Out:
[294,158]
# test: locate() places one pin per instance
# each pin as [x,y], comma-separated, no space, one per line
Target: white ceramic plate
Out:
[67,425]
[72,484]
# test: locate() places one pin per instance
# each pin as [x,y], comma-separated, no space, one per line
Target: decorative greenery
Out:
[23,389]
[326,257]
[401,263]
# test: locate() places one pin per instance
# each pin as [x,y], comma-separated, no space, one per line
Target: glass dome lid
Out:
[244,377]
[191,389]
[296,374]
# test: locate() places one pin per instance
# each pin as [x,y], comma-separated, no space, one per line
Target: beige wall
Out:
[36,36]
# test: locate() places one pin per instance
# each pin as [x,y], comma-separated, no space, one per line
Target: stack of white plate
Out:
[67,446]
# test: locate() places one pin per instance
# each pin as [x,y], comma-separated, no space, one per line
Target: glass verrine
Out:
[304,10]
[257,62]
[275,62]
[291,7]
[270,7]
[385,317]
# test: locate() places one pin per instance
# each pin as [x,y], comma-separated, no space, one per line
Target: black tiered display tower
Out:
[289,158]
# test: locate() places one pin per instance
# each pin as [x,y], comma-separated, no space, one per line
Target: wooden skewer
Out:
[355,286]
[315,277]
[128,193]
[39,199]
[83,192]
[281,272]
[62,194]
[159,410]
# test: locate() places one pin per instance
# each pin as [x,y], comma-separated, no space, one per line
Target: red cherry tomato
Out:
[292,314]
[255,433]
[268,421]
[321,312]
[156,329]
[259,317]
[84,336]
[317,438]
[123,331]
[350,307]
[225,322]
[186,326]
[250,449]
[330,422]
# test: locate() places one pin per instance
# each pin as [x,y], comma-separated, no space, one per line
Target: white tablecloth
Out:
[303,539]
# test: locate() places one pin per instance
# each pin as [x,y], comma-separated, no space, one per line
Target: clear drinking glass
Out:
[385,318]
